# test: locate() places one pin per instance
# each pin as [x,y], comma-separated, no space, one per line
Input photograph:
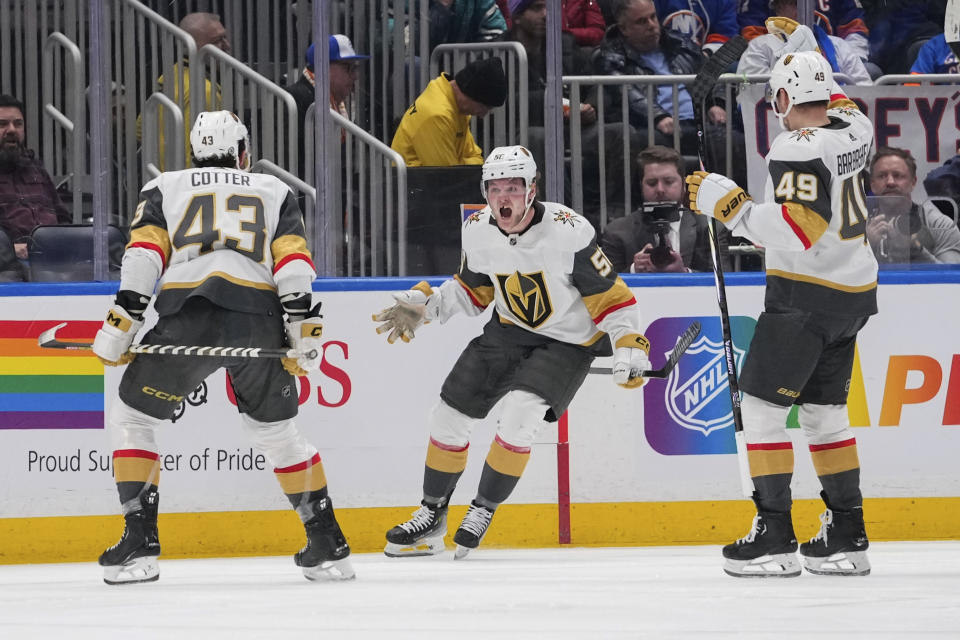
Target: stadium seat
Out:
[64,253]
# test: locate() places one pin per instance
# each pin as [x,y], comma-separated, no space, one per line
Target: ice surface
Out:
[593,593]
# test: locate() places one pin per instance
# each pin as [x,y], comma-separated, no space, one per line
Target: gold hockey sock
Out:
[303,483]
[771,467]
[838,468]
[443,468]
[136,472]
[501,471]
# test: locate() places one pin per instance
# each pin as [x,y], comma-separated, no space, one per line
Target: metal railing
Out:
[151,138]
[267,109]
[368,202]
[68,125]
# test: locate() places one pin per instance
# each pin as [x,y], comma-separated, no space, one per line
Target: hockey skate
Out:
[472,529]
[134,558]
[840,547]
[767,551]
[421,535]
[326,556]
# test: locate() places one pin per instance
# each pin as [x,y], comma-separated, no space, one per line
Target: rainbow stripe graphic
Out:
[49,388]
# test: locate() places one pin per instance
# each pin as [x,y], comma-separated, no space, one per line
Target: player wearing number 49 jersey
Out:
[228,250]
[557,302]
[821,288]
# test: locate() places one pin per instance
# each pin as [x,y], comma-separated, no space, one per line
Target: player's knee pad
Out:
[131,429]
[763,421]
[281,442]
[824,423]
[521,418]
[450,427]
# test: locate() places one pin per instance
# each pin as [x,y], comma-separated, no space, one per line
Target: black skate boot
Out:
[421,535]
[839,548]
[134,558]
[326,556]
[472,529]
[768,550]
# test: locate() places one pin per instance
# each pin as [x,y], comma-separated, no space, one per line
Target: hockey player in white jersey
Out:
[558,303]
[228,250]
[821,289]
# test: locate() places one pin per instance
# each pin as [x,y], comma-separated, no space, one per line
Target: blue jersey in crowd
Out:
[935,56]
[706,22]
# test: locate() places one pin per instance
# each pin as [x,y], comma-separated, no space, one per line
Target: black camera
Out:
[657,218]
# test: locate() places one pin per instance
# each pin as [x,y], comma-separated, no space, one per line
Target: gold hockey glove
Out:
[304,336]
[717,196]
[412,309]
[115,337]
[630,359]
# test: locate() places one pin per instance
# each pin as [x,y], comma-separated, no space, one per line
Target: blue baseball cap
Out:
[341,49]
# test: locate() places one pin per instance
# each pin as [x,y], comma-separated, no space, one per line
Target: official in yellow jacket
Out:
[435,130]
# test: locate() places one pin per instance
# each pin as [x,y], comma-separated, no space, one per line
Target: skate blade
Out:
[849,563]
[330,571]
[143,569]
[425,547]
[461,552]
[780,565]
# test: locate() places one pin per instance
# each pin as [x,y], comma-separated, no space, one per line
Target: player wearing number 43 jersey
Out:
[228,250]
[821,288]
[557,302]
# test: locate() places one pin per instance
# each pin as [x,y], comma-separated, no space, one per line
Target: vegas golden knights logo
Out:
[526,296]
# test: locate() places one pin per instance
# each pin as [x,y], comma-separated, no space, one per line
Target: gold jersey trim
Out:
[219,274]
[821,282]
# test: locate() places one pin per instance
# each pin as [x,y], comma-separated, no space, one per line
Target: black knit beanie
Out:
[484,81]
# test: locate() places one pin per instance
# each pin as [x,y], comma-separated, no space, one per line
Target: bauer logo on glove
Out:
[717,196]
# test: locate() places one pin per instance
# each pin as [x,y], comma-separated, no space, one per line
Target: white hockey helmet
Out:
[510,162]
[805,76]
[220,134]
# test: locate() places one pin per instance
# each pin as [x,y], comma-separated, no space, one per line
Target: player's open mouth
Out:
[505,212]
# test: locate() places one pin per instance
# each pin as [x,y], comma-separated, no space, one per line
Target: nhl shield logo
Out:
[700,378]
[527,297]
[690,413]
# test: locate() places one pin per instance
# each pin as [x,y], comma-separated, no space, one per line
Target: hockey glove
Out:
[413,308]
[795,36]
[115,337]
[717,196]
[630,361]
[303,335]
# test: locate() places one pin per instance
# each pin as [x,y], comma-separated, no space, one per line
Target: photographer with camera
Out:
[900,230]
[662,235]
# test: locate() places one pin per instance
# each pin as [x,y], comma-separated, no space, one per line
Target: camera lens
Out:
[660,256]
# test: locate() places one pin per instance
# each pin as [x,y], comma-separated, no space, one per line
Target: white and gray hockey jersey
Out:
[223,234]
[552,279]
[814,219]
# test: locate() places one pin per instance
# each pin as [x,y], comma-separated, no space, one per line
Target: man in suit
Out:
[636,244]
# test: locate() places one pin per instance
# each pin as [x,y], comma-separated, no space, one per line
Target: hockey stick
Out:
[701,88]
[951,26]
[683,343]
[48,340]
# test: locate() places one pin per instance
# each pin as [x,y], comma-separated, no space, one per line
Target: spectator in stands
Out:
[27,195]
[344,70]
[205,28]
[935,56]
[465,21]
[10,268]
[786,35]
[637,45]
[900,230]
[944,181]
[709,23]
[529,18]
[435,130]
[580,18]
[898,28]
[647,241]
[843,18]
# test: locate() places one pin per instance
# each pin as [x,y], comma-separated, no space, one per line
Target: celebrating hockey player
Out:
[821,289]
[558,303]
[229,251]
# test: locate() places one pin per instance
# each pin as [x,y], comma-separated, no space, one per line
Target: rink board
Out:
[648,466]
